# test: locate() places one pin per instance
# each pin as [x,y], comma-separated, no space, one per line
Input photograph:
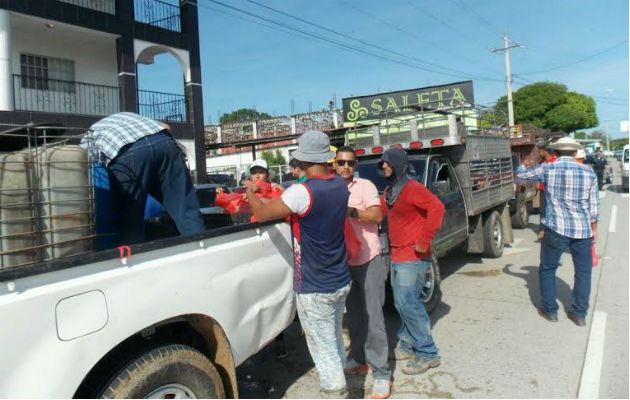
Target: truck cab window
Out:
[442,184]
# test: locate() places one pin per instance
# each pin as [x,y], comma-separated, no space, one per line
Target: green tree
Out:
[243,115]
[617,144]
[578,112]
[549,105]
[273,158]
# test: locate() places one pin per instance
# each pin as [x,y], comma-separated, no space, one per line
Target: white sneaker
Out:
[381,389]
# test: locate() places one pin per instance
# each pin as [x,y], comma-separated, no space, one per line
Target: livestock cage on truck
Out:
[47,192]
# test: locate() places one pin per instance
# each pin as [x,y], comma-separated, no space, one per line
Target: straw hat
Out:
[565,144]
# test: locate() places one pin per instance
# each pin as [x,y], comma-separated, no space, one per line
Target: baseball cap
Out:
[260,163]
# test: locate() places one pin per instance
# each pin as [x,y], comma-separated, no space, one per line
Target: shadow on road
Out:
[616,189]
[530,276]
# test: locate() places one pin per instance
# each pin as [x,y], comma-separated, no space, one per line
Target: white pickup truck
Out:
[171,320]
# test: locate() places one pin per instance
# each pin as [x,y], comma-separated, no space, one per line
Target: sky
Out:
[365,47]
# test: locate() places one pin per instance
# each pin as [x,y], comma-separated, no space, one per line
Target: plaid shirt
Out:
[107,136]
[571,194]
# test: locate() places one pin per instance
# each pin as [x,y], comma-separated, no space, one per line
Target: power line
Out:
[399,29]
[577,61]
[483,22]
[364,42]
[449,26]
[331,41]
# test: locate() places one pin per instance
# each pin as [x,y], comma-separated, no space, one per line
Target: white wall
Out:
[94,56]
[245,158]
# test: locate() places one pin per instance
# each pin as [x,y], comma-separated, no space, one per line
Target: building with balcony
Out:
[71,62]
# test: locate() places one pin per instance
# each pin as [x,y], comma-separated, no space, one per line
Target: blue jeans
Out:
[414,335]
[321,315]
[152,165]
[552,247]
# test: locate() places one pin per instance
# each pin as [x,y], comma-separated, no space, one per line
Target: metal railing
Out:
[158,13]
[47,208]
[106,6]
[68,97]
[162,106]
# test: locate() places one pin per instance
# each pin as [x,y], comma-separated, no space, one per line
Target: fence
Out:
[162,106]
[31,93]
[158,13]
[106,6]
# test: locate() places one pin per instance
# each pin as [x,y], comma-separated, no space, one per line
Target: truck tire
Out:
[431,293]
[171,371]
[520,218]
[493,235]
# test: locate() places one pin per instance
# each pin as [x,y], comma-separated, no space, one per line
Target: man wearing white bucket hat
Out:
[571,219]
[321,276]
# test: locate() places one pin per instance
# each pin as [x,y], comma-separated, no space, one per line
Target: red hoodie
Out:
[414,219]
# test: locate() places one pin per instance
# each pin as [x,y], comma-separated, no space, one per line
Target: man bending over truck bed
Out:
[142,158]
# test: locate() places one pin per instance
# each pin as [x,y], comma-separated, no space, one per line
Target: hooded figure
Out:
[402,171]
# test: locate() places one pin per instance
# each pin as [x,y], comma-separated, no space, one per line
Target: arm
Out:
[372,203]
[532,174]
[593,200]
[274,209]
[423,199]
[371,214]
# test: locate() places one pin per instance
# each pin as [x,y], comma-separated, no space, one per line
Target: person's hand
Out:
[594,235]
[219,190]
[419,249]
[250,187]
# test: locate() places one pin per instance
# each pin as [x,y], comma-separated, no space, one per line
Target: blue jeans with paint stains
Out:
[414,335]
[321,315]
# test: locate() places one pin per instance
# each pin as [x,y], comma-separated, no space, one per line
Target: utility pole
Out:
[508,76]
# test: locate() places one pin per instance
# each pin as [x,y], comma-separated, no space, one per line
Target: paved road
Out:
[493,343]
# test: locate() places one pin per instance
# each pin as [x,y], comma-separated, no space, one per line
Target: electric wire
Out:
[581,60]
[449,26]
[364,42]
[483,22]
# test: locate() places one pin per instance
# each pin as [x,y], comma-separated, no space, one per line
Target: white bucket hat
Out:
[565,144]
[314,147]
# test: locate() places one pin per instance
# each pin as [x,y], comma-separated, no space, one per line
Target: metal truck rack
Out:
[47,206]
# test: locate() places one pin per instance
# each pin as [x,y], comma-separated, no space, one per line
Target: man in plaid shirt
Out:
[142,158]
[571,216]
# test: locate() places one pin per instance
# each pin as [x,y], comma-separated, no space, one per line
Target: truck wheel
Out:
[168,372]
[493,235]
[431,293]
[520,218]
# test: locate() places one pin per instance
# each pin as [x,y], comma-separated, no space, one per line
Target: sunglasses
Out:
[351,163]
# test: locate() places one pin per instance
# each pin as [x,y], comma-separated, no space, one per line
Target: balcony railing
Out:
[106,6]
[67,97]
[158,13]
[162,106]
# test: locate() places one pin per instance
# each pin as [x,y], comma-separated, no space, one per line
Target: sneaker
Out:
[353,367]
[381,389]
[333,394]
[400,354]
[418,365]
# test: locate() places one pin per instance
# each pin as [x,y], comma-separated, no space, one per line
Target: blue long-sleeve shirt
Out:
[571,194]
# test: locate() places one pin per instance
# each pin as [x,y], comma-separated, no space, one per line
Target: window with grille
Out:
[47,73]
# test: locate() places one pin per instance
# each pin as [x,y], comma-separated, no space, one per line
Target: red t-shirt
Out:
[551,159]
[414,219]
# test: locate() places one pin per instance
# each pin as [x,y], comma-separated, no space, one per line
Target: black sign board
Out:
[377,105]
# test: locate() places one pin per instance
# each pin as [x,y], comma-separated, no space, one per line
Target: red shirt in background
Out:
[414,219]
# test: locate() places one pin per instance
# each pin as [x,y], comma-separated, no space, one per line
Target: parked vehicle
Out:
[526,193]
[472,176]
[625,167]
[169,318]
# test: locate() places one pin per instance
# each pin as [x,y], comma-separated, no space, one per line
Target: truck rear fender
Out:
[196,330]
